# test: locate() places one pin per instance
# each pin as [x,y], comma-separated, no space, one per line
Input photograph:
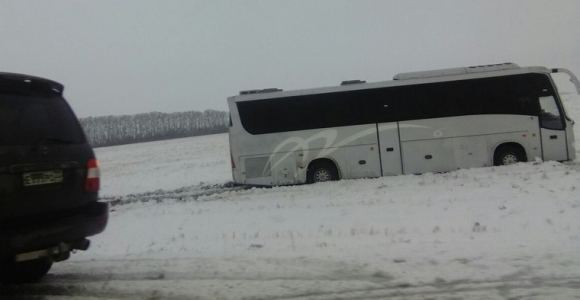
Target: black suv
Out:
[49,179]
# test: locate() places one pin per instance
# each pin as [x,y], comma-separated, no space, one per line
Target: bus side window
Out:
[550,117]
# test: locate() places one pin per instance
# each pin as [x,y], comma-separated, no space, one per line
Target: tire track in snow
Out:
[191,193]
[193,279]
[539,288]
[292,289]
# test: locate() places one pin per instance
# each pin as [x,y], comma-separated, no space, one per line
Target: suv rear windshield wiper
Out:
[43,140]
[55,140]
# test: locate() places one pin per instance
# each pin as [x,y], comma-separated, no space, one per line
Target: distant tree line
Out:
[154,126]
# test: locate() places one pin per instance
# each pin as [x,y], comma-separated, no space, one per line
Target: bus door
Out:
[390,148]
[553,130]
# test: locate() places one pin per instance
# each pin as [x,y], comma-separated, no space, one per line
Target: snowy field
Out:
[178,230]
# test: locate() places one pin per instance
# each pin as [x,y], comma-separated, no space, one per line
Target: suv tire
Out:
[12,272]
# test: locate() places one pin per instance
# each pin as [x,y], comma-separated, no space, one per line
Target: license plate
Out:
[38,178]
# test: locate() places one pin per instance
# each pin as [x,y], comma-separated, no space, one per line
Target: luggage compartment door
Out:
[390,148]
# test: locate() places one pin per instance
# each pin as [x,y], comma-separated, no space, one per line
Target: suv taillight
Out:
[93,176]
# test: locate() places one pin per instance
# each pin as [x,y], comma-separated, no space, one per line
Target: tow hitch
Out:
[57,253]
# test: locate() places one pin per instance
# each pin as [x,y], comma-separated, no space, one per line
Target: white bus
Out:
[432,121]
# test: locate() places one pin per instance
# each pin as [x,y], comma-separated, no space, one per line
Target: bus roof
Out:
[400,79]
[456,71]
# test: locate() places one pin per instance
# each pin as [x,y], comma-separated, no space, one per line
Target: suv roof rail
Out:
[456,71]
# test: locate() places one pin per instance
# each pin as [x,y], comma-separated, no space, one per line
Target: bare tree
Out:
[153,126]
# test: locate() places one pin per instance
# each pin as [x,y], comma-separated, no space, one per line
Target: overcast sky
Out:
[120,57]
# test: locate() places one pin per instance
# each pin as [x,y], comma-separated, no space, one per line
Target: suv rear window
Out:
[32,119]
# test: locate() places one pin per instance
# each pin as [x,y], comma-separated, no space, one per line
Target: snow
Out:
[183,233]
[169,164]
[485,225]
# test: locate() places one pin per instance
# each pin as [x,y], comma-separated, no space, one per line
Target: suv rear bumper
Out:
[89,221]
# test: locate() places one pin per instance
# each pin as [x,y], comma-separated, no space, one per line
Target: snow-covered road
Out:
[301,279]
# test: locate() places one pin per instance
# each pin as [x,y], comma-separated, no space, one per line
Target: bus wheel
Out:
[508,155]
[321,172]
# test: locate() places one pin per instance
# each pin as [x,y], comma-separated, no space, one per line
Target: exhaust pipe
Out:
[82,245]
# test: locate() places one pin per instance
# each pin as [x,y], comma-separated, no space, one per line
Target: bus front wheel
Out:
[508,155]
[321,172]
